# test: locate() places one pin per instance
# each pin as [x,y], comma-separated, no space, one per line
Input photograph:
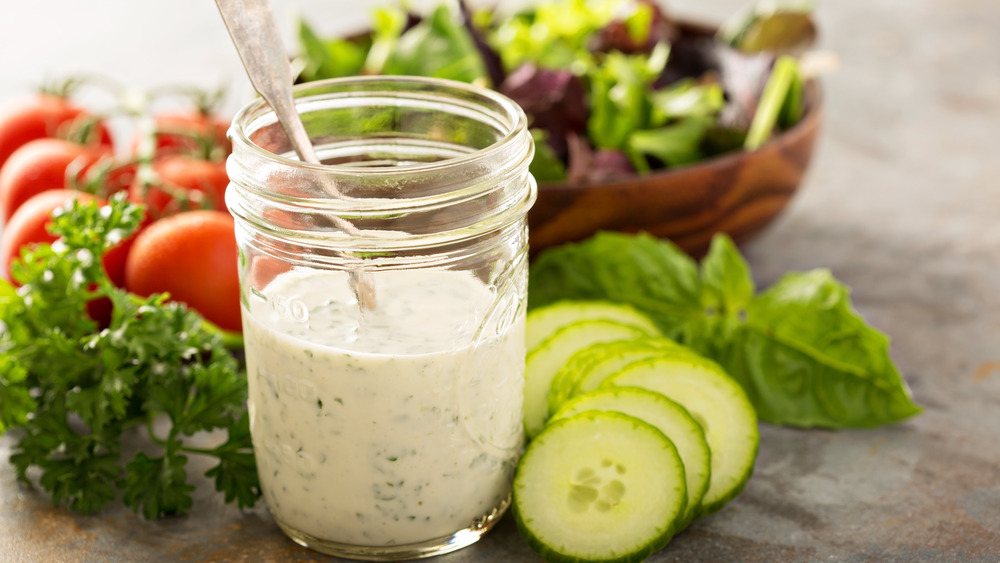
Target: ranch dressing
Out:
[397,426]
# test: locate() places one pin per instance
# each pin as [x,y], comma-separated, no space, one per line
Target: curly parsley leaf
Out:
[236,475]
[15,398]
[77,470]
[73,388]
[158,485]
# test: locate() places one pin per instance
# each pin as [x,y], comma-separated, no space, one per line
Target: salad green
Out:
[611,87]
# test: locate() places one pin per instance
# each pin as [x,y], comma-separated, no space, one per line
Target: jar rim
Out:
[415,204]
[512,135]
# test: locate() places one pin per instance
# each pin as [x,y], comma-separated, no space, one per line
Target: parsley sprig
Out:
[72,389]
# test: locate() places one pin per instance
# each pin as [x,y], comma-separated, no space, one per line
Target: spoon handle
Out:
[255,33]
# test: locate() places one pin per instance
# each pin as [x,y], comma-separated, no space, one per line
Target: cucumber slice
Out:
[609,357]
[585,360]
[599,486]
[668,417]
[719,404]
[543,322]
[542,364]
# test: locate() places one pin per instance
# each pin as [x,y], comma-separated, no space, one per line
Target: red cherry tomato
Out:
[29,226]
[41,165]
[43,115]
[193,256]
[192,133]
[184,183]
[262,268]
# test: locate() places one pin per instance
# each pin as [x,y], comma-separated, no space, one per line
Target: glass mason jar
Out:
[388,431]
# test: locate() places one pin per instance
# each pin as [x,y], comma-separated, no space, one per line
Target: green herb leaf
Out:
[388,23]
[674,145]
[780,85]
[620,86]
[727,285]
[15,398]
[783,26]
[803,355]
[158,486]
[545,166]
[78,470]
[653,275]
[808,359]
[687,98]
[727,290]
[551,35]
[74,389]
[440,47]
[236,474]
[329,58]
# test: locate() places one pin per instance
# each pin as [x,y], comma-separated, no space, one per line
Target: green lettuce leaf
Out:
[676,144]
[799,349]
[619,95]
[439,46]
[551,35]
[545,164]
[331,58]
[388,23]
[687,98]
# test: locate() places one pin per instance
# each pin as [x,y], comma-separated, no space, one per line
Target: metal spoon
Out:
[255,34]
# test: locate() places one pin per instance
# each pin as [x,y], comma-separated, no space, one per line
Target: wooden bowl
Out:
[739,193]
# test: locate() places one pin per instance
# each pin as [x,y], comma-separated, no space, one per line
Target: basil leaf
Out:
[799,349]
[726,279]
[807,359]
[653,275]
[727,289]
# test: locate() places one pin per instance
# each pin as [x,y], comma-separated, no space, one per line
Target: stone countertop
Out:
[902,203]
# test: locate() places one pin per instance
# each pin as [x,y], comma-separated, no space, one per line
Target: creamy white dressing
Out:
[392,428]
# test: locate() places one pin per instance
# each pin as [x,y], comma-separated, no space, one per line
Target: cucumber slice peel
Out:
[543,322]
[544,362]
[592,378]
[599,486]
[719,404]
[667,416]
[606,358]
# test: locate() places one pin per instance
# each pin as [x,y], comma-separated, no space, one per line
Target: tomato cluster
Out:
[53,150]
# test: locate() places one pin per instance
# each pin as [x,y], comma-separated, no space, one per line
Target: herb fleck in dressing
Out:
[391,428]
